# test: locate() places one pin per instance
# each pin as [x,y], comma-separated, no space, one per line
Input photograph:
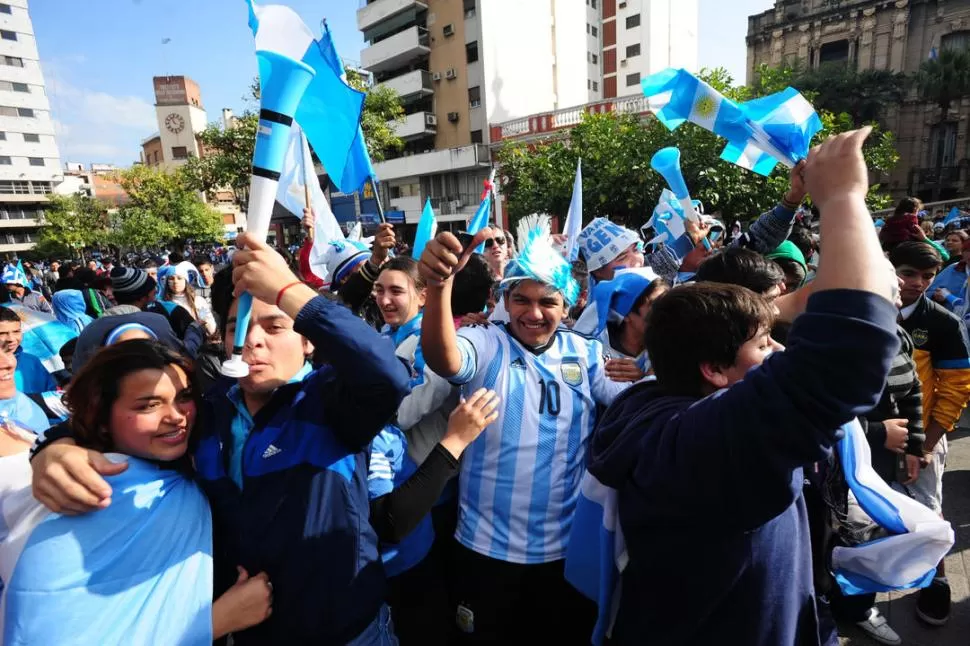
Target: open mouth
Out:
[175,437]
[534,326]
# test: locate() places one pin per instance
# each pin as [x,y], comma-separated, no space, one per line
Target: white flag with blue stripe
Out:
[760,133]
[574,219]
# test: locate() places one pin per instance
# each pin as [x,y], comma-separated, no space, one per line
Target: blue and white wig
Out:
[538,260]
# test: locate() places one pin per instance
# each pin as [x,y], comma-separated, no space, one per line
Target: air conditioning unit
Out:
[451,74]
[453,117]
[436,76]
[623,63]
[430,120]
[622,5]
[449,30]
[477,103]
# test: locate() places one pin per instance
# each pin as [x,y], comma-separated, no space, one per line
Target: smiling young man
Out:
[283,459]
[520,478]
[942,356]
[707,460]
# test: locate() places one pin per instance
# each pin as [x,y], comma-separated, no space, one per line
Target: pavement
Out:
[900,608]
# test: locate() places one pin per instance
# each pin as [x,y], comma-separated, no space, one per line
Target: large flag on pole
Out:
[574,220]
[330,109]
[427,227]
[760,133]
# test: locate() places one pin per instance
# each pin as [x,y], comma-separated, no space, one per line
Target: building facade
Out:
[896,35]
[29,160]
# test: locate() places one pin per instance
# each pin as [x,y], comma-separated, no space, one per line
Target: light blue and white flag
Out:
[574,220]
[953,216]
[43,335]
[614,299]
[480,220]
[669,220]
[918,539]
[427,228]
[760,133]
[596,554]
[15,275]
[136,572]
[330,109]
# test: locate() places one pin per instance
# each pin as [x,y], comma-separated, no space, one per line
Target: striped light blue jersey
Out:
[520,478]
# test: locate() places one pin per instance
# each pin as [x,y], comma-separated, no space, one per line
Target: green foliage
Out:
[72,223]
[163,208]
[617,179]
[944,79]
[227,158]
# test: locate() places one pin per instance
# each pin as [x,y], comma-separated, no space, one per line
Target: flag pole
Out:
[309,173]
[377,198]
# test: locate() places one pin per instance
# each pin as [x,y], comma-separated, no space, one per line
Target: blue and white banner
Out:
[43,336]
[137,572]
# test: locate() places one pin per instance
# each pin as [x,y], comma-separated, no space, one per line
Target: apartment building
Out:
[29,159]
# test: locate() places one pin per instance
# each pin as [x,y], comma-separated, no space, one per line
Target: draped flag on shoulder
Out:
[427,228]
[43,335]
[760,133]
[330,109]
[574,219]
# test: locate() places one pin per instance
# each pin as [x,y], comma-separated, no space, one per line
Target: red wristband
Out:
[279,294]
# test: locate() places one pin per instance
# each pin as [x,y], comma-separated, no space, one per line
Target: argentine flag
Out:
[760,133]
[427,229]
[43,335]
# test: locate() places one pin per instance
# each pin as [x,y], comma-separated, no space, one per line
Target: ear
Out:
[422,297]
[714,375]
[307,348]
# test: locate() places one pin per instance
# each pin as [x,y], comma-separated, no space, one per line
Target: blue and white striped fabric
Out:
[427,228]
[574,218]
[953,216]
[597,555]
[668,218]
[14,275]
[760,133]
[389,467]
[43,336]
[919,538]
[137,572]
[520,478]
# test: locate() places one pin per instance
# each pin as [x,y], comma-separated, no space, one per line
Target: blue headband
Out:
[112,337]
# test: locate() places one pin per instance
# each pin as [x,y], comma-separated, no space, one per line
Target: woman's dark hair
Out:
[908,205]
[916,254]
[168,294]
[94,388]
[473,285]
[738,266]
[405,265]
[714,319]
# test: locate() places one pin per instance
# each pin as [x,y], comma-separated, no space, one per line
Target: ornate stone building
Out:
[895,35]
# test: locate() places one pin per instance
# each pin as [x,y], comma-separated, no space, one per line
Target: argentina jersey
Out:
[520,478]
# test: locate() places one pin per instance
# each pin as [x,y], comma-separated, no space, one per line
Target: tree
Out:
[228,152]
[163,208]
[72,223]
[617,179]
[944,78]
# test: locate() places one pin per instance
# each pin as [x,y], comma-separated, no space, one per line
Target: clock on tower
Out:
[174,123]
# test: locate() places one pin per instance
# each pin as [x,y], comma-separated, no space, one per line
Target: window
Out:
[596,86]
[469,7]
[25,112]
[6,111]
[31,138]
[36,161]
[596,59]
[943,140]
[477,137]
[180,152]
[5,160]
[589,84]
[956,41]
[20,87]
[5,8]
[594,32]
[633,21]
[6,34]
[633,50]
[3,136]
[593,3]
[12,61]
[475,97]
[471,52]
[587,28]
[837,52]
[632,79]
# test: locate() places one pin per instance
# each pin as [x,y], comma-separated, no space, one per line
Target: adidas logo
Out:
[271,451]
[518,363]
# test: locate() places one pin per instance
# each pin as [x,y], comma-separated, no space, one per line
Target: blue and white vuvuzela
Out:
[666,161]
[283,81]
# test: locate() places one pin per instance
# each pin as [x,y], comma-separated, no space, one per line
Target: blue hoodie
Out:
[69,308]
[710,490]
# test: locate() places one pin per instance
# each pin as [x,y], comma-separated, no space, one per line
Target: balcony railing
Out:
[943,176]
[547,122]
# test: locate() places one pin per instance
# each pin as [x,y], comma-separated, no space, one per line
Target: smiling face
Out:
[11,334]
[397,297]
[153,414]
[631,258]
[274,351]
[8,365]
[914,282]
[750,355]
[176,284]
[535,311]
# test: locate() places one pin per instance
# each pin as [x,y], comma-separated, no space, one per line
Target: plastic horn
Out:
[666,161]
[282,84]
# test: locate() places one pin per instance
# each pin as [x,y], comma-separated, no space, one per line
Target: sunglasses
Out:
[499,240]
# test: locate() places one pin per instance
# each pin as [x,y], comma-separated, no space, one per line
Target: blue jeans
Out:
[379,633]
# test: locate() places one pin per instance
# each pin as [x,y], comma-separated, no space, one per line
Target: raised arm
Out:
[774,227]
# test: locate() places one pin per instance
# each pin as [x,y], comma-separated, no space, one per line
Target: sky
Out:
[99,57]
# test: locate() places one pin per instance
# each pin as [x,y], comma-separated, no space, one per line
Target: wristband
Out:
[279,294]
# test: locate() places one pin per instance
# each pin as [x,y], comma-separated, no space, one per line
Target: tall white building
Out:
[29,160]
[461,66]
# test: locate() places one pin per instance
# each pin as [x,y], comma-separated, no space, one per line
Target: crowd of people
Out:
[404,461]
